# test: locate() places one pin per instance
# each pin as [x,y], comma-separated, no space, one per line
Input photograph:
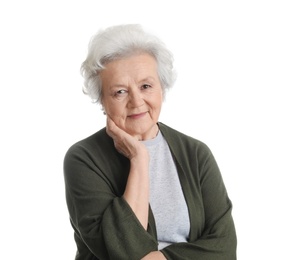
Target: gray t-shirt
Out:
[166,196]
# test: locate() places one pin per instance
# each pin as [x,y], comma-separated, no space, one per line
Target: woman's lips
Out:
[137,116]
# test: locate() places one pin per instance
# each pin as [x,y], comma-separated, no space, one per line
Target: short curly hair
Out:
[122,41]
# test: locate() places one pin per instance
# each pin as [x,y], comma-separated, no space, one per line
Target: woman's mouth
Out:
[137,116]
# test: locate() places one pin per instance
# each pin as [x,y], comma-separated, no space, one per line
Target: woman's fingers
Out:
[112,129]
[123,142]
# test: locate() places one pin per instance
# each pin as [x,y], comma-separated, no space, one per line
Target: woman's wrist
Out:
[141,157]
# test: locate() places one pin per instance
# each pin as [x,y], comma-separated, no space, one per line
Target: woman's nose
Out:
[136,99]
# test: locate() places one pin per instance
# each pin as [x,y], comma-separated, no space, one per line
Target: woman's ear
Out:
[103,109]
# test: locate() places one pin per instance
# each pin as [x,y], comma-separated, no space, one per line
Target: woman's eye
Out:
[120,92]
[145,86]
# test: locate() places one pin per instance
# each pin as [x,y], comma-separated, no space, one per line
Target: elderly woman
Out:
[138,189]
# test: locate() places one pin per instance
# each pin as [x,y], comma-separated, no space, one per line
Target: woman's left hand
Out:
[155,255]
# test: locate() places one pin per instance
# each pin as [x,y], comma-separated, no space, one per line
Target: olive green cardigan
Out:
[104,225]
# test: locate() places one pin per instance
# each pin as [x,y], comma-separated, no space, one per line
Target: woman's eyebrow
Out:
[147,79]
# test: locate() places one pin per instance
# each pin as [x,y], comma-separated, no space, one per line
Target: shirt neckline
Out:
[153,141]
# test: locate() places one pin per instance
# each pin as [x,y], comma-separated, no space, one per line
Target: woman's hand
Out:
[137,189]
[126,144]
[155,255]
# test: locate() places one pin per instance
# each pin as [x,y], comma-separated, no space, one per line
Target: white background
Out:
[237,90]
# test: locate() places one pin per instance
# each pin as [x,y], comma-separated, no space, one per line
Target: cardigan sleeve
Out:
[216,239]
[105,225]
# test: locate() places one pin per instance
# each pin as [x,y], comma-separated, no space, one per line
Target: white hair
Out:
[122,41]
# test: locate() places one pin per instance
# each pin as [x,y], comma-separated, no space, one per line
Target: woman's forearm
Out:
[137,189]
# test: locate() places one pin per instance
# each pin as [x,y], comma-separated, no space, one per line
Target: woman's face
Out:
[132,94]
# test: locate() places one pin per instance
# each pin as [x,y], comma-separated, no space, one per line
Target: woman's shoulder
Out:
[183,145]
[176,137]
[94,143]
